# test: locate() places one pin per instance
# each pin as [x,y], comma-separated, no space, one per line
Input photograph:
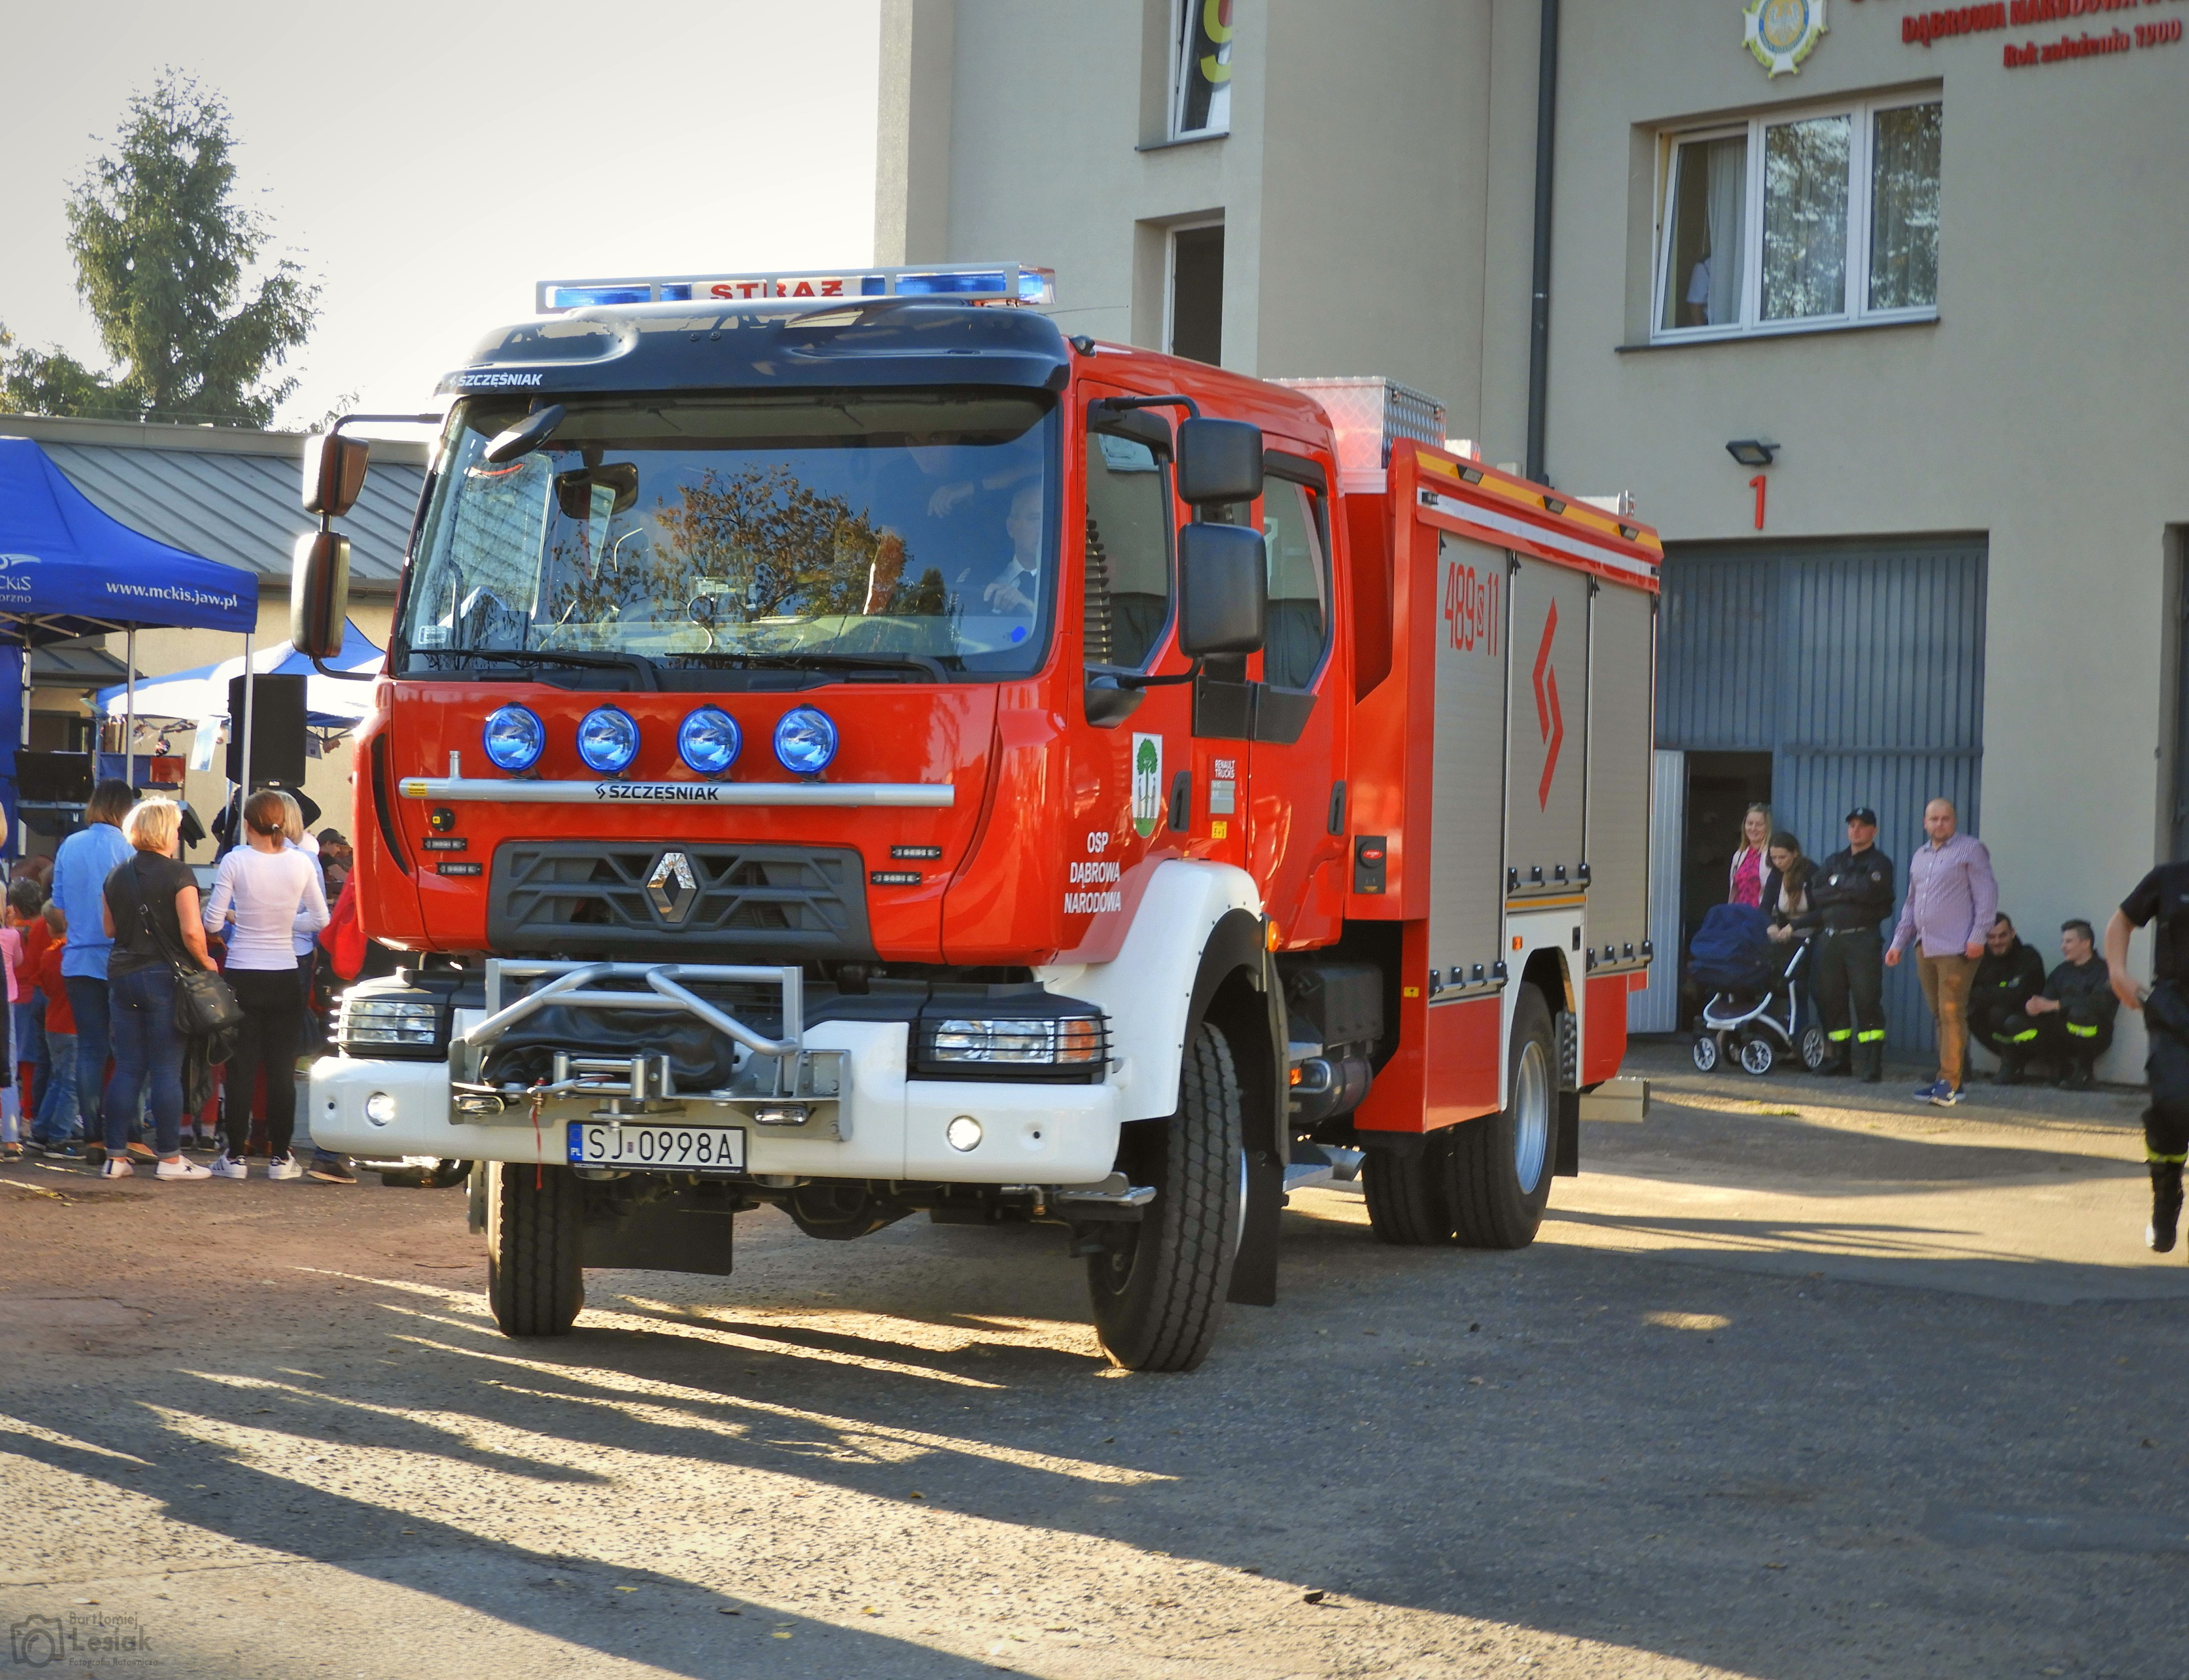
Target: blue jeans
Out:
[148,1054]
[30,1046]
[56,1120]
[86,996]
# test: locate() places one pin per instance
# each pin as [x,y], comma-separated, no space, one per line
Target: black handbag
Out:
[205,1004]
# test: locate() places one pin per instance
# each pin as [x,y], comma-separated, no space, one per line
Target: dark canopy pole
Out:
[1539,325]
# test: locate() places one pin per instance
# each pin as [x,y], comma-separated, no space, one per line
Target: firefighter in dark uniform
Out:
[1850,894]
[2069,1024]
[2162,895]
[2009,976]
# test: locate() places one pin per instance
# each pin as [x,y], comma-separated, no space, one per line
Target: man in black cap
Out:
[1850,894]
[2163,894]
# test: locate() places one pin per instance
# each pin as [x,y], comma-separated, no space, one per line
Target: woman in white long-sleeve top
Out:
[268,891]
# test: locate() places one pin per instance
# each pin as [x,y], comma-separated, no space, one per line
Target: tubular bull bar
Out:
[584,986]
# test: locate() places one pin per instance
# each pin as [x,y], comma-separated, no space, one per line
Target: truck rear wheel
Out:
[1159,1294]
[1409,1196]
[1501,1164]
[535,1280]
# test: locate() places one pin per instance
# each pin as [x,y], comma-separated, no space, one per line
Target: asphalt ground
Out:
[1802,1379]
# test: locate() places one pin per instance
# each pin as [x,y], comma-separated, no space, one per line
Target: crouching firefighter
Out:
[2163,894]
[1849,895]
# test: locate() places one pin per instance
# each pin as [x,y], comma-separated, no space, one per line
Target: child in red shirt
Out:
[57,1121]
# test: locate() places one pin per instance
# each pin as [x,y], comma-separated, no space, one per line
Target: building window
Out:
[1201,70]
[1795,221]
[1196,294]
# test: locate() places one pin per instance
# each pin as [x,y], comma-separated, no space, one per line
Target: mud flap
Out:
[1565,1146]
[1254,1271]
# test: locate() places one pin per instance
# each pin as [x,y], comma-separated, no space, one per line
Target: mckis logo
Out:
[15,573]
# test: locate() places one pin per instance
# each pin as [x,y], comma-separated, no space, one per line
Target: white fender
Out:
[1147,988]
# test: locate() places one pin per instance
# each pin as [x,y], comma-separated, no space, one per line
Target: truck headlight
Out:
[378,1022]
[1066,1042]
[514,738]
[607,740]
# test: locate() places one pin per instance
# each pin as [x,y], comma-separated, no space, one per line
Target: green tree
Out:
[162,249]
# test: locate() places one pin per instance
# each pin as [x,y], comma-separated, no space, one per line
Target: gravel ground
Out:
[1801,1381]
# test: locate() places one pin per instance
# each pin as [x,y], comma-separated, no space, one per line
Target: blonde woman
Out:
[267,889]
[149,910]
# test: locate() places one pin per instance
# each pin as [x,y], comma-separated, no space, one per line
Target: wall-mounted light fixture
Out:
[1752,451]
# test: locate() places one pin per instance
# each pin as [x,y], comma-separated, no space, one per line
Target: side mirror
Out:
[334,473]
[1223,589]
[1219,461]
[526,436]
[319,594]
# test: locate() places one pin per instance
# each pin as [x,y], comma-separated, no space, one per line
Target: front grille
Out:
[729,903]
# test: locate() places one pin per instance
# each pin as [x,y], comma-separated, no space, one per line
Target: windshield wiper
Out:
[930,667]
[637,663]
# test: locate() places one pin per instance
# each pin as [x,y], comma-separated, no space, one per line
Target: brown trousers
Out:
[1946,983]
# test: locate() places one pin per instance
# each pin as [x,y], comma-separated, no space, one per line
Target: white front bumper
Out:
[894,1126]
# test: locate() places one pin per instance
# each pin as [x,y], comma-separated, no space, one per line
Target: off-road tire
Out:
[1410,1196]
[1159,1293]
[1491,1208]
[535,1279]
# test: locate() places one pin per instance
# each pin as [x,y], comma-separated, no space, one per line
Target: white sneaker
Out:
[117,1166]
[224,1167]
[180,1168]
[284,1167]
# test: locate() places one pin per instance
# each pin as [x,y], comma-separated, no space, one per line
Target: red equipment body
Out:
[1355,853]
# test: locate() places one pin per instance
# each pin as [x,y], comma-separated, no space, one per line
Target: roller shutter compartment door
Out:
[1467,835]
[1547,722]
[1621,665]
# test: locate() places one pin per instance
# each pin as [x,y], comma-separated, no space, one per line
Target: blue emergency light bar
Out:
[1009,283]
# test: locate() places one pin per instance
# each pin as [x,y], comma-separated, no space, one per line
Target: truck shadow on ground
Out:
[1575,1441]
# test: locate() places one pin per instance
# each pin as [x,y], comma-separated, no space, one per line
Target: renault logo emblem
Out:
[672,886]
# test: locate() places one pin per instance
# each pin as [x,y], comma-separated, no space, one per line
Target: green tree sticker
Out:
[1147,784]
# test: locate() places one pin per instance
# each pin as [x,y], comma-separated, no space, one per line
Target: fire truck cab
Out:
[845,745]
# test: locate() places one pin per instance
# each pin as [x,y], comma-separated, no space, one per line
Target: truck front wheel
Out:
[1501,1164]
[1159,1293]
[536,1282]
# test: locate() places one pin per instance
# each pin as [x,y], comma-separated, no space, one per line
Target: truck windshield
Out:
[834,529]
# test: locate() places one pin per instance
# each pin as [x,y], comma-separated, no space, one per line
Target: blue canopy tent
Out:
[200,694]
[69,570]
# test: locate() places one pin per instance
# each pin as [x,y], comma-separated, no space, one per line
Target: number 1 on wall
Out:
[1756,484]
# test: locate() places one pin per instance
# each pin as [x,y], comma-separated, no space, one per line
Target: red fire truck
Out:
[845,745]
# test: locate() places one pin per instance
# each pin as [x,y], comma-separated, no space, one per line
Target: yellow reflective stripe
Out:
[1839,1036]
[2151,1154]
[2083,1032]
[1869,1038]
[2023,1037]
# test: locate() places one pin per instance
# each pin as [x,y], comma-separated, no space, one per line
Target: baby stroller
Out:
[1756,1010]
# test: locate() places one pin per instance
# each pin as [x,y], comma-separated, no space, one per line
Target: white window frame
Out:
[1181,49]
[1862,114]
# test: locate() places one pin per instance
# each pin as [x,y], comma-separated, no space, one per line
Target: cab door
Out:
[1297,819]
[1130,801]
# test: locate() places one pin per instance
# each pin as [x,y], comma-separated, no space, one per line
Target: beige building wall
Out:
[2044,406]
[1365,230]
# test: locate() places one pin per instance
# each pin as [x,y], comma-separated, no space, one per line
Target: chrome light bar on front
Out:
[591,985]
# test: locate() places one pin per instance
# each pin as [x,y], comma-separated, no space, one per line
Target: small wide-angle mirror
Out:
[574,490]
[318,593]
[1223,590]
[334,473]
[1219,461]
[527,435]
